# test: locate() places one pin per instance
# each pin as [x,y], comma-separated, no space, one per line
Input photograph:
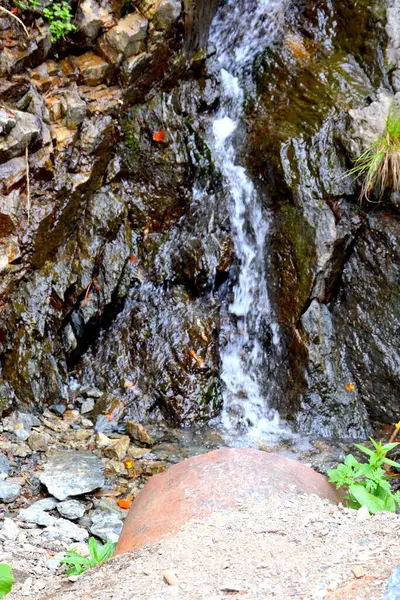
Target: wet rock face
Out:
[322,242]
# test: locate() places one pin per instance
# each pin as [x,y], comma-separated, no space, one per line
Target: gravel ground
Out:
[297,547]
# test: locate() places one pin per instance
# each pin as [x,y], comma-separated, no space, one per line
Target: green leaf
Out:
[365,449]
[93,549]
[106,551]
[388,447]
[6,580]
[392,463]
[362,496]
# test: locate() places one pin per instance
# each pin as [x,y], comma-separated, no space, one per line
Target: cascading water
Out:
[240,29]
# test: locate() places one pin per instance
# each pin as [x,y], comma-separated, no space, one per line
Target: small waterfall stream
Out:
[239,30]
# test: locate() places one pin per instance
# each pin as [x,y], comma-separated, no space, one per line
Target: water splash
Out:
[240,29]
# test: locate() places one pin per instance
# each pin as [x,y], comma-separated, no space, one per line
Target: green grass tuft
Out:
[379,165]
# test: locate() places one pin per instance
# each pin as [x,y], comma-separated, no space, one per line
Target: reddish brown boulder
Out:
[201,485]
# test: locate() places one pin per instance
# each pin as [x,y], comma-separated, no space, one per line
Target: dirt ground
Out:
[298,547]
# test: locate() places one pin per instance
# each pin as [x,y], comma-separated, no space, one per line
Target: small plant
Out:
[368,483]
[6,580]
[58,14]
[98,554]
[379,165]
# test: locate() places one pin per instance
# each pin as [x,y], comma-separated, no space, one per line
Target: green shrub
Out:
[379,165]
[368,483]
[6,580]
[98,554]
[58,14]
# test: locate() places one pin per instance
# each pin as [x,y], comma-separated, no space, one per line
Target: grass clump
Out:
[379,165]
[79,563]
[368,483]
[58,14]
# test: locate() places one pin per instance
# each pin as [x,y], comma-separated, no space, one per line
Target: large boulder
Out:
[218,480]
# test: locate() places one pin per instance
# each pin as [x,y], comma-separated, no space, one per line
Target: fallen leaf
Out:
[129,463]
[124,503]
[159,136]
[14,10]
[132,258]
[350,387]
[109,417]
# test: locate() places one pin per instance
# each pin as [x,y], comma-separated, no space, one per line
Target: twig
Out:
[16,18]
[28,187]
[395,432]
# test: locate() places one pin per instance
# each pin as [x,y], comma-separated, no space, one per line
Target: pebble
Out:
[138,433]
[71,509]
[58,409]
[170,578]
[230,587]
[358,571]
[9,491]
[38,442]
[36,515]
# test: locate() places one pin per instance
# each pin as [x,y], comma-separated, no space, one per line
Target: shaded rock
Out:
[71,509]
[198,486]
[74,109]
[92,68]
[9,491]
[11,174]
[45,504]
[27,129]
[129,33]
[20,424]
[106,525]
[133,66]
[92,393]
[138,433]
[7,121]
[90,18]
[72,474]
[167,13]
[58,409]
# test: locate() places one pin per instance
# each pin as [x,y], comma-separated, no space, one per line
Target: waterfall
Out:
[240,30]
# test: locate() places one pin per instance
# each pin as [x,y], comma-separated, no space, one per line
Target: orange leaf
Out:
[125,503]
[350,387]
[14,10]
[159,136]
[109,417]
[132,258]
[129,463]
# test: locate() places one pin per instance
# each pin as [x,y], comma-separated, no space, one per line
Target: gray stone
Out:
[93,393]
[27,129]
[106,525]
[396,80]
[393,31]
[167,13]
[9,491]
[36,513]
[87,406]
[38,442]
[9,531]
[90,18]
[71,509]
[4,465]
[129,33]
[369,123]
[71,530]
[72,473]
[74,108]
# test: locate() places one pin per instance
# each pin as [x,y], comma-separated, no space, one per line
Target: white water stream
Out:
[241,29]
